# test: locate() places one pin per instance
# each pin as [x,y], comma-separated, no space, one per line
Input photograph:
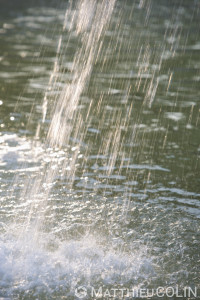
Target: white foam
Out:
[28,266]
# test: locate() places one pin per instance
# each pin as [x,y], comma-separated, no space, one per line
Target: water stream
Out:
[99,148]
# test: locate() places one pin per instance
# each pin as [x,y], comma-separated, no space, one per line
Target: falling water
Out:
[101,192]
[89,21]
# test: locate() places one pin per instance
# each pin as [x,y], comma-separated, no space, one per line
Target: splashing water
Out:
[38,271]
[96,200]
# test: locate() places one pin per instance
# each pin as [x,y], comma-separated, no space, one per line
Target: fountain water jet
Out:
[90,22]
[101,184]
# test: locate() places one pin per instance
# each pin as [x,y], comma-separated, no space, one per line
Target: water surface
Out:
[124,208]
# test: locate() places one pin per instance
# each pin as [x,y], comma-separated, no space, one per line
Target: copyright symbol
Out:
[81,292]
